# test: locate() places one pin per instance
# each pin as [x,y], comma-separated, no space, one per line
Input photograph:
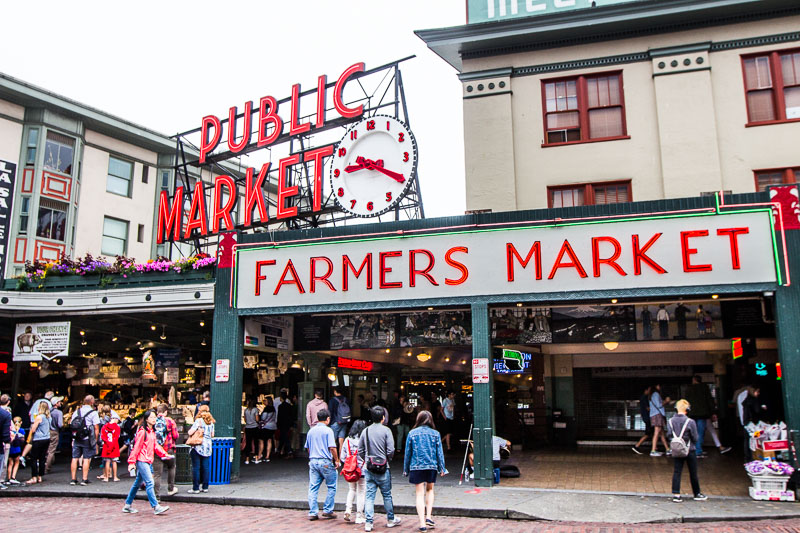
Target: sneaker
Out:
[205,490]
[247,461]
[394,522]
[423,529]
[160,509]
[346,517]
[724,450]
[367,526]
[85,482]
[430,523]
[192,491]
[656,454]
[22,460]
[360,520]
[700,497]
[256,461]
[128,509]
[173,491]
[329,516]
[636,450]
[677,498]
[313,517]
[668,454]
[13,482]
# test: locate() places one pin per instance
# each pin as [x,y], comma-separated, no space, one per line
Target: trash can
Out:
[221,460]
[183,465]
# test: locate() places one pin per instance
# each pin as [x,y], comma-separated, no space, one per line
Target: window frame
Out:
[788,175]
[588,191]
[52,209]
[70,171]
[127,235]
[583,107]
[776,77]
[129,179]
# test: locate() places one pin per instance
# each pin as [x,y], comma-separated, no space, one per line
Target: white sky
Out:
[164,65]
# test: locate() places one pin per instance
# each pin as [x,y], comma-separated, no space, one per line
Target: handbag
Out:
[376,467]
[196,438]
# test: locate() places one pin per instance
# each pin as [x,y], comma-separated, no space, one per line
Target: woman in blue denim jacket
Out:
[424,458]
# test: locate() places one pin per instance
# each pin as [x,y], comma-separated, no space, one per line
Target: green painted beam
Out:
[483,397]
[787,309]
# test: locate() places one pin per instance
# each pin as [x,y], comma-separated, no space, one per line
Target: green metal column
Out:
[226,397]
[787,309]
[483,397]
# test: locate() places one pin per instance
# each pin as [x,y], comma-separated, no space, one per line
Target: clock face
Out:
[373,166]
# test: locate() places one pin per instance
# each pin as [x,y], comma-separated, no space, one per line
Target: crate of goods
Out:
[771,487]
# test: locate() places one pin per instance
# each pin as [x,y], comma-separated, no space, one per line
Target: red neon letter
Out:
[343,110]
[253,194]
[611,261]
[223,212]
[455,264]
[512,252]
[294,280]
[259,277]
[316,155]
[733,235]
[346,264]
[294,123]
[640,254]
[686,251]
[412,275]
[207,145]
[322,82]
[232,112]
[265,117]
[323,278]
[198,218]
[574,261]
[170,219]
[284,191]
[383,270]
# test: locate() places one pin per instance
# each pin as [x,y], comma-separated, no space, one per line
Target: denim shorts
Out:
[83,449]
[339,430]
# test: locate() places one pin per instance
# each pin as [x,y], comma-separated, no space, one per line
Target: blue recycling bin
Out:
[221,460]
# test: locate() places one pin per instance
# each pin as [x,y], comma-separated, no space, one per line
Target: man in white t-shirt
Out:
[85,447]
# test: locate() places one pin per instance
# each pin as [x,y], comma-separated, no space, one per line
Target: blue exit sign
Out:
[493,10]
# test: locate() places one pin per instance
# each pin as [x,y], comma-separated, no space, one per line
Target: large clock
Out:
[373,165]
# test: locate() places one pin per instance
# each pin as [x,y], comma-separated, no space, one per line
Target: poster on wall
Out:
[436,328]
[269,333]
[171,375]
[745,318]
[263,377]
[363,331]
[312,333]
[148,365]
[521,325]
[34,341]
[680,320]
[250,361]
[593,323]
[8,172]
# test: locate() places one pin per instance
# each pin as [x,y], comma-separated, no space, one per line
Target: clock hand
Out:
[394,175]
[361,164]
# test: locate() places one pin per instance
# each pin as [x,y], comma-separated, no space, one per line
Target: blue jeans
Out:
[144,472]
[375,482]
[320,470]
[201,470]
[701,434]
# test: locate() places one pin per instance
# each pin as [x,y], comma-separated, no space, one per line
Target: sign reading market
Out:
[713,249]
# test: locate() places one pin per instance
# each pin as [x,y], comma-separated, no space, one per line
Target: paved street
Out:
[103,515]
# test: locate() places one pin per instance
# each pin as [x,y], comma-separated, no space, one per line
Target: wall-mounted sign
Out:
[512,362]
[223,370]
[34,341]
[269,333]
[357,364]
[493,10]
[704,250]
[8,172]
[148,365]
[480,370]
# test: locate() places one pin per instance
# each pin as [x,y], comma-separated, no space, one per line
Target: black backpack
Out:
[78,427]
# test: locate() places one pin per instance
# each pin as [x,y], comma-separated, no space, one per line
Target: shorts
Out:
[447,426]
[415,477]
[251,434]
[14,455]
[84,450]
[109,460]
[267,434]
[658,421]
[339,430]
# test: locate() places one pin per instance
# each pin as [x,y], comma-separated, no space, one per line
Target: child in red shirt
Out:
[110,437]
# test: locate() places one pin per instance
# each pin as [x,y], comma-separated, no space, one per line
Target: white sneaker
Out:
[247,461]
[656,454]
[368,526]
[172,491]
[192,491]
[360,520]
[159,509]
[129,509]
[395,522]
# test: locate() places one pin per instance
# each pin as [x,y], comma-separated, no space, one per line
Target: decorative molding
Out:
[472,96]
[19,257]
[680,71]
[682,49]
[756,41]
[581,64]
[484,74]
[56,186]
[27,181]
[44,250]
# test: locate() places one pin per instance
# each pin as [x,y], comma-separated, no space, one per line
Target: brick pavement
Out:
[101,515]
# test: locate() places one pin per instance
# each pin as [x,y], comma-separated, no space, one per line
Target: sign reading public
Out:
[714,249]
[492,10]
[34,341]
[8,172]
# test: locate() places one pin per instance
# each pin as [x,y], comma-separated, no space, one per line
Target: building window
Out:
[59,151]
[145,173]
[140,233]
[115,236]
[119,176]
[613,192]
[584,108]
[772,86]
[24,213]
[165,179]
[33,140]
[52,220]
[777,176]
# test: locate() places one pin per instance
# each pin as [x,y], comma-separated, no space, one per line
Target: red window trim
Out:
[788,174]
[583,109]
[588,191]
[777,89]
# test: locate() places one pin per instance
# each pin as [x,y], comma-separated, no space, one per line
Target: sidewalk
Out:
[284,483]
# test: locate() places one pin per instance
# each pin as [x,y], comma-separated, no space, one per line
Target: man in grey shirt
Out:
[56,423]
[376,448]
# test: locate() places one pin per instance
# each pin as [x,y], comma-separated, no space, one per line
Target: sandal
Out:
[31,482]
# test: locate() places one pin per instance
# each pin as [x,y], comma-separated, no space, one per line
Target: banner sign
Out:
[35,341]
[8,172]
[691,250]
[269,333]
[494,10]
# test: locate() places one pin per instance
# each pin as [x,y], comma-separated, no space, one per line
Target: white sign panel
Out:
[34,341]
[480,370]
[223,372]
[662,252]
[269,333]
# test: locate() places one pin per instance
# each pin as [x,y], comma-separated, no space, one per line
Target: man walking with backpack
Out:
[682,431]
[166,434]
[340,415]
[85,428]
[375,449]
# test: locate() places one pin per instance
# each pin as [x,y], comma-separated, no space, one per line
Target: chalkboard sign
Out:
[312,333]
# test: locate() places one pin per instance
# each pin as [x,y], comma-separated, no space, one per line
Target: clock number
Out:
[401,137]
[387,125]
[353,135]
[369,206]
[405,157]
[388,197]
[370,124]
[352,204]
[340,192]
[342,151]
[336,173]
